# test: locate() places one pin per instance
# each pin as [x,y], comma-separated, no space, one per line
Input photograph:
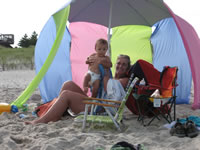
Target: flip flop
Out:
[191,129]
[178,130]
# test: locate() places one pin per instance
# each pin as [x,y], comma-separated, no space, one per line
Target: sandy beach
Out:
[66,134]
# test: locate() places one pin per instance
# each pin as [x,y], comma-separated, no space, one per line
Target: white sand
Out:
[66,134]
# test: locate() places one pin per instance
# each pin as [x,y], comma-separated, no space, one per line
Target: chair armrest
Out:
[100,104]
[154,86]
[99,99]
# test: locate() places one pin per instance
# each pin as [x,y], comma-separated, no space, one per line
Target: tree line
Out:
[28,41]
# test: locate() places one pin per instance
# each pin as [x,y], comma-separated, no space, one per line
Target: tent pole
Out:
[109,28]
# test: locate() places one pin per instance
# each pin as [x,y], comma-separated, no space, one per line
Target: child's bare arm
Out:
[106,62]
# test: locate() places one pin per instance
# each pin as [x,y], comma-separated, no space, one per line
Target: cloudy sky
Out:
[25,16]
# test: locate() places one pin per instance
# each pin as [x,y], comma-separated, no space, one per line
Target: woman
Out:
[71,95]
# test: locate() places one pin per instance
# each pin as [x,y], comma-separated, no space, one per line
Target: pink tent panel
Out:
[84,36]
[192,45]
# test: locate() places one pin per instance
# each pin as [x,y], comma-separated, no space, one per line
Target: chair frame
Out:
[116,119]
[164,110]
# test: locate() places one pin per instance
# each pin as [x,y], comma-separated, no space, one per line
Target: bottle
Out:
[142,82]
[14,109]
[5,107]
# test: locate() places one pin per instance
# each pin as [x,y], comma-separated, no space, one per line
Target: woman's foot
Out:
[31,122]
[28,122]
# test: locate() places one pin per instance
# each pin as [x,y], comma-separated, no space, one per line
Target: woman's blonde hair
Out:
[125,57]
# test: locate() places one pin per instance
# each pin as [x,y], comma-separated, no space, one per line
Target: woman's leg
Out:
[95,88]
[67,99]
[71,86]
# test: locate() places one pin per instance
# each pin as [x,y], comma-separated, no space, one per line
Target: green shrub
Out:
[16,58]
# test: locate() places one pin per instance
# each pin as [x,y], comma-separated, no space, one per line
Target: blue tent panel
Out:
[60,69]
[168,50]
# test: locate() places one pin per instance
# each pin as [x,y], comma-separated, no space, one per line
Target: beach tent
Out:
[160,38]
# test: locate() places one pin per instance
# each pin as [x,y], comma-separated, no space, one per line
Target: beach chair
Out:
[111,117]
[163,104]
[101,93]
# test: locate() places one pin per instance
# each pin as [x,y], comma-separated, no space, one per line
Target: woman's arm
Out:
[105,61]
[89,59]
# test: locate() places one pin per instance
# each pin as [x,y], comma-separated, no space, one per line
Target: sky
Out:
[20,17]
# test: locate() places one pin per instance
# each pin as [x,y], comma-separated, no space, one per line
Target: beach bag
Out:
[43,108]
[131,104]
[123,145]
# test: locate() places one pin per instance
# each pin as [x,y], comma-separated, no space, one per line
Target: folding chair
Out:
[163,106]
[107,104]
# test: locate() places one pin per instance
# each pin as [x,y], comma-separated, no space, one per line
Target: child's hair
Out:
[101,41]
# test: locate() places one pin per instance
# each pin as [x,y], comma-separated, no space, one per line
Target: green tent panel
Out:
[131,40]
[60,19]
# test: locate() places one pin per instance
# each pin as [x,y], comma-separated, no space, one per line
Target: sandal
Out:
[178,129]
[191,130]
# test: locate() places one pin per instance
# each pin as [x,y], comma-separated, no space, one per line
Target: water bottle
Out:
[142,82]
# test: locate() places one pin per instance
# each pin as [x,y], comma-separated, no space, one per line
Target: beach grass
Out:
[16,58]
